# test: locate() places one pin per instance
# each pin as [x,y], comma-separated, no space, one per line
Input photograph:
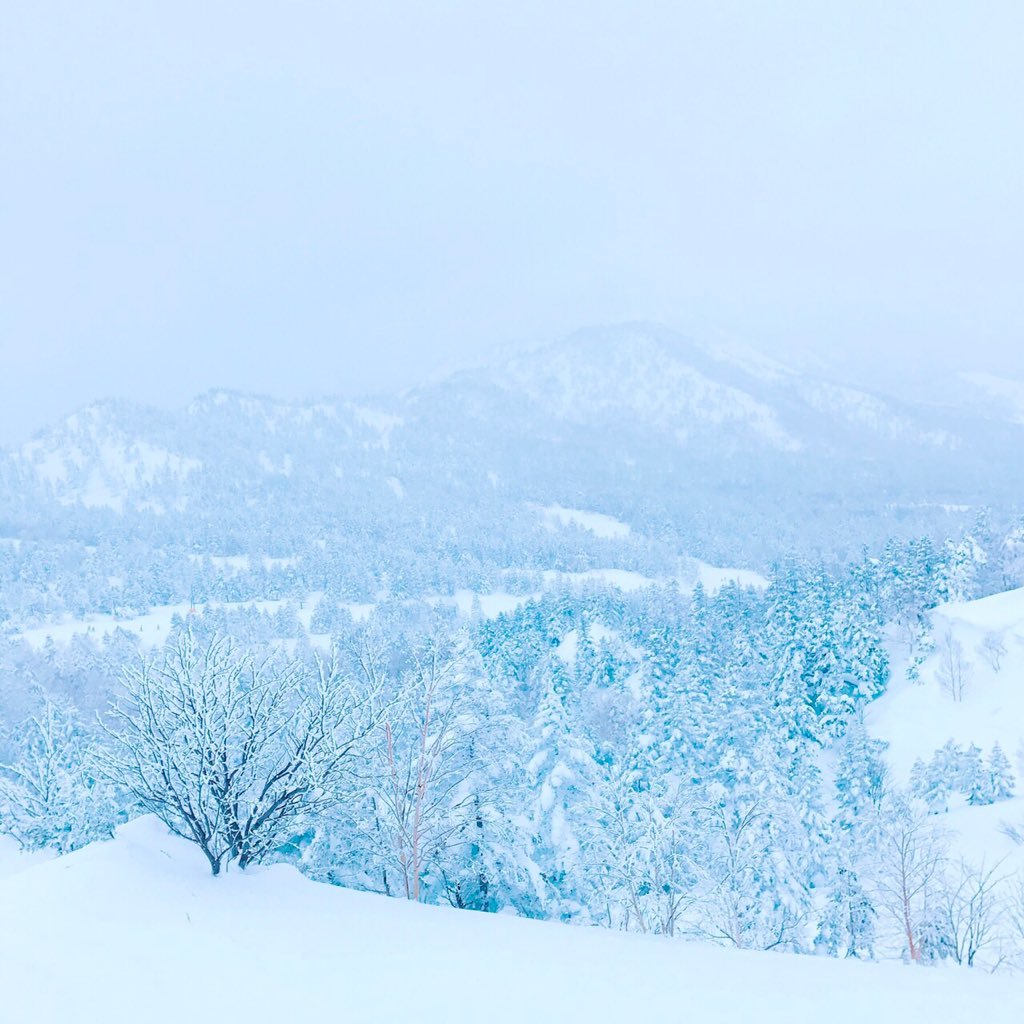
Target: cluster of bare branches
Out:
[972,911]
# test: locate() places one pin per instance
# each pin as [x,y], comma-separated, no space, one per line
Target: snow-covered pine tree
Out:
[1001,781]
[559,773]
[861,774]
[974,780]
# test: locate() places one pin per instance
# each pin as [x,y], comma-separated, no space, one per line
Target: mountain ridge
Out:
[635,421]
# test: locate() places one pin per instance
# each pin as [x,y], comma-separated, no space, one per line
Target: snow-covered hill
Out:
[607,394]
[985,640]
[647,376]
[136,929]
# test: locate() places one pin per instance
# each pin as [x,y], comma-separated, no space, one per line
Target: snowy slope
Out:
[717,405]
[916,718]
[135,929]
[643,374]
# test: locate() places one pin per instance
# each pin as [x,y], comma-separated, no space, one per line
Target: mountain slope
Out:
[716,451]
[915,719]
[136,929]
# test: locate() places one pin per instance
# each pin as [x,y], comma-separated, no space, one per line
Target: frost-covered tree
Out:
[931,783]
[1001,781]
[560,770]
[738,902]
[963,564]
[638,853]
[423,801]
[993,649]
[434,814]
[847,918]
[49,796]
[973,779]
[824,640]
[233,753]
[861,774]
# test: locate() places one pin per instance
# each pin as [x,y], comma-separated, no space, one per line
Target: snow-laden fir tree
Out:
[1001,781]
[559,773]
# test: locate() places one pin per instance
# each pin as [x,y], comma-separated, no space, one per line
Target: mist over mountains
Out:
[722,451]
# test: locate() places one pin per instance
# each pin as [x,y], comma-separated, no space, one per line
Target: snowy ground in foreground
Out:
[136,930]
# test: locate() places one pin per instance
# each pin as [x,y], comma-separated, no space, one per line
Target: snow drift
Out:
[136,929]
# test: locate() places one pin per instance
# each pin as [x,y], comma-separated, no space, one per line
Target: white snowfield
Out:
[136,930]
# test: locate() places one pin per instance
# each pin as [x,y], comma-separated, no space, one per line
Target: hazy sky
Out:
[331,197]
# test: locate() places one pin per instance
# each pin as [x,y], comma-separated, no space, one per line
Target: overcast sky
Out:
[330,197]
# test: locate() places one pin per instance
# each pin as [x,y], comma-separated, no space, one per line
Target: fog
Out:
[311,198]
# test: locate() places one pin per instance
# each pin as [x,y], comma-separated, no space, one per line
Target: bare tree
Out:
[907,871]
[1015,920]
[954,671]
[993,649]
[233,753]
[971,908]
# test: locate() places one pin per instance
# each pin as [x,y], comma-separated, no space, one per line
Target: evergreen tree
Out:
[861,774]
[1001,782]
[974,781]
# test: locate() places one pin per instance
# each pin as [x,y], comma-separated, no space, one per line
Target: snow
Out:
[152,628]
[749,360]
[14,860]
[136,929]
[235,563]
[492,605]
[633,374]
[500,602]
[270,563]
[625,580]
[269,466]
[599,524]
[382,422]
[917,718]
[120,467]
[866,410]
[713,578]
[568,648]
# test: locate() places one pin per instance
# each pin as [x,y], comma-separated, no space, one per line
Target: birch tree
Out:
[421,801]
[907,872]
